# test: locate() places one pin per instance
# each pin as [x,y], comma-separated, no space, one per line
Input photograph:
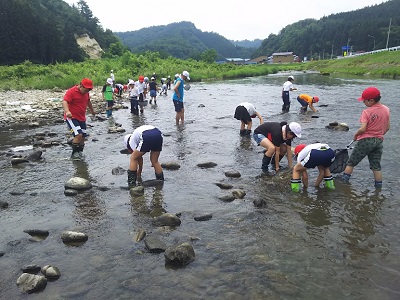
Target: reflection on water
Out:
[153,207]
[317,244]
[88,206]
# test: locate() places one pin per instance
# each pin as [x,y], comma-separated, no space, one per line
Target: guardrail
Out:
[396,48]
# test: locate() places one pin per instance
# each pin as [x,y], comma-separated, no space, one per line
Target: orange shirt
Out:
[306,98]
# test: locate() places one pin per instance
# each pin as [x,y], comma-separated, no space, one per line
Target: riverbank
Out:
[37,107]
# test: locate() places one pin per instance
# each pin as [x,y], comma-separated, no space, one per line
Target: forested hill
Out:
[42,31]
[181,40]
[360,29]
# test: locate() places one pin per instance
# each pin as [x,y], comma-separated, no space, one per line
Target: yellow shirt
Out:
[306,98]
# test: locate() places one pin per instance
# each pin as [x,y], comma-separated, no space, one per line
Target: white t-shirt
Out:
[287,86]
[133,92]
[140,86]
[250,108]
[137,137]
[304,155]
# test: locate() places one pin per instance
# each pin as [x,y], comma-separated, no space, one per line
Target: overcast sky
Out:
[234,20]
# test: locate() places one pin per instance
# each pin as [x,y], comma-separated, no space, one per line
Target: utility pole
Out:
[332,52]
[387,41]
[348,50]
[374,41]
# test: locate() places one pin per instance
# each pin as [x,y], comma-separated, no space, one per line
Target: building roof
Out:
[282,53]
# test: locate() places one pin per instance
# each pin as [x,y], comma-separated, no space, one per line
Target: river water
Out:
[313,245]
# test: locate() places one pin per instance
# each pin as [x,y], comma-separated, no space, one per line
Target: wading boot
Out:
[132,175]
[265,166]
[160,176]
[329,183]
[76,151]
[295,185]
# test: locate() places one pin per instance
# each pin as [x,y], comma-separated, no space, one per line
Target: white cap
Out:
[295,128]
[131,82]
[109,81]
[186,74]
[111,71]
[291,77]
[126,137]
[152,78]
[176,75]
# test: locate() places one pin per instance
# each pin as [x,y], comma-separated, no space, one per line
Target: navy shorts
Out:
[153,93]
[178,105]
[152,141]
[110,103]
[319,158]
[76,126]
[302,102]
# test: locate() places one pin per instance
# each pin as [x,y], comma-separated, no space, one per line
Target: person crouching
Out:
[145,138]
[308,157]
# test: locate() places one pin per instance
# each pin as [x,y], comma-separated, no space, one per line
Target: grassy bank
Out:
[129,66]
[383,64]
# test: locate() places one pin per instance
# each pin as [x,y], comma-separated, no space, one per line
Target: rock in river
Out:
[78,183]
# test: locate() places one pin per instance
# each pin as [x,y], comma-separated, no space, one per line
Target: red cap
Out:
[316,99]
[299,148]
[87,83]
[370,93]
[141,78]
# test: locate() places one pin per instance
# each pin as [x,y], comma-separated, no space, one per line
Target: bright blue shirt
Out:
[180,89]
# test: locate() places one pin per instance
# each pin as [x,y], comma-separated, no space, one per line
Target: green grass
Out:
[129,66]
[384,64]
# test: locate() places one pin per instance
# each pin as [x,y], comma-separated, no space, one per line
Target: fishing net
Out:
[340,162]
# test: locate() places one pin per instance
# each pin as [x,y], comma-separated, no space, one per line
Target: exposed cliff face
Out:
[90,46]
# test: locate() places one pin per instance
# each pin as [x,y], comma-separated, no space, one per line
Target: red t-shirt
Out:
[77,103]
[377,118]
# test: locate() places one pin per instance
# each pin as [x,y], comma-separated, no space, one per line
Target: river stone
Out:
[233,174]
[70,192]
[18,160]
[118,171]
[224,186]
[2,253]
[338,126]
[140,235]
[34,156]
[17,193]
[206,165]
[259,203]
[37,232]
[152,182]
[180,255]
[136,190]
[78,183]
[125,151]
[30,283]
[167,219]
[73,237]
[227,198]
[154,245]
[31,269]
[171,165]
[3,204]
[238,193]
[115,129]
[203,217]
[51,272]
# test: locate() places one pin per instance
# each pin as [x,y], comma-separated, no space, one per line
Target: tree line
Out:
[364,29]
[43,31]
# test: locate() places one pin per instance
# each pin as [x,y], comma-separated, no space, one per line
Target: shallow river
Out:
[312,245]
